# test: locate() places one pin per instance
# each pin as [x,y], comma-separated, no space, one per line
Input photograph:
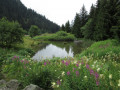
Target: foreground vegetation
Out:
[90,70]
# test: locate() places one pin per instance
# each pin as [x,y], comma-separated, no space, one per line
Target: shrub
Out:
[10,32]
[34,30]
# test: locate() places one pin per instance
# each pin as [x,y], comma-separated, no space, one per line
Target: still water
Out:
[58,49]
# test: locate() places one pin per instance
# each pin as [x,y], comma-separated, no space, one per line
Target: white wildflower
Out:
[98,69]
[63,73]
[110,76]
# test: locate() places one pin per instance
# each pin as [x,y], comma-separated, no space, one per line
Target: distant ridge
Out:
[15,10]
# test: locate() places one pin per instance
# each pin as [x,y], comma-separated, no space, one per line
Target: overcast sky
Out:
[58,11]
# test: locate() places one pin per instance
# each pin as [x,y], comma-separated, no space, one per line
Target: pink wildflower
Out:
[68,73]
[96,75]
[66,63]
[87,66]
[45,63]
[58,82]
[63,62]
[97,83]
[77,73]
[74,69]
[77,65]
[91,72]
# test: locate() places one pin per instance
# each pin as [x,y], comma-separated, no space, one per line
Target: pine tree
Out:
[67,27]
[76,27]
[83,16]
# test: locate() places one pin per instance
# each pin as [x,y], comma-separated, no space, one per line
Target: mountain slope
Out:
[15,10]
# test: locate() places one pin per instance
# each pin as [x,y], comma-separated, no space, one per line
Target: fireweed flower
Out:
[77,65]
[66,63]
[63,61]
[58,82]
[68,73]
[91,72]
[97,83]
[45,63]
[74,69]
[96,75]
[77,73]
[87,66]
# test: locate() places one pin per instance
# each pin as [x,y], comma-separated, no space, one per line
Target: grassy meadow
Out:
[96,68]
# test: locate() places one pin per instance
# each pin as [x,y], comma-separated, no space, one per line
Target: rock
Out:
[3,85]
[2,82]
[32,87]
[13,85]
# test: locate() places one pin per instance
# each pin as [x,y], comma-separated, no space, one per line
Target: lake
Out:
[59,49]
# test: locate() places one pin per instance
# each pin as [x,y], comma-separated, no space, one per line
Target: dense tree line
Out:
[15,10]
[101,23]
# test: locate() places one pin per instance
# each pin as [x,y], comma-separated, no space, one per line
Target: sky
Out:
[58,11]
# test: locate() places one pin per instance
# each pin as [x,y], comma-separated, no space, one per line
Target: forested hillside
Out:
[101,23]
[15,10]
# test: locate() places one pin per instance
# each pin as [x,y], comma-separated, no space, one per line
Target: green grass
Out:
[59,36]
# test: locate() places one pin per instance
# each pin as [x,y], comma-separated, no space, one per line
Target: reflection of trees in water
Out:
[76,48]
[40,46]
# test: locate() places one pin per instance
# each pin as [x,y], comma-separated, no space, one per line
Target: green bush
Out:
[34,30]
[10,32]
[59,36]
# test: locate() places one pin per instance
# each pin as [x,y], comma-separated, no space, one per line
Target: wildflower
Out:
[45,63]
[75,62]
[55,70]
[91,72]
[21,61]
[58,82]
[111,84]
[93,66]
[57,85]
[87,66]
[68,73]
[53,84]
[63,73]
[98,69]
[63,62]
[15,56]
[77,73]
[77,65]
[110,76]
[101,76]
[85,77]
[97,83]
[119,82]
[74,69]
[66,63]
[96,75]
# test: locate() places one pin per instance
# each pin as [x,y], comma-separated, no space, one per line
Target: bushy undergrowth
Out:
[59,36]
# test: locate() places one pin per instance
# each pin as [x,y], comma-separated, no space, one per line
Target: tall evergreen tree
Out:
[76,27]
[67,27]
[63,27]
[83,16]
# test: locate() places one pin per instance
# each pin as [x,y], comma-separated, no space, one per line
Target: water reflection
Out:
[53,51]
